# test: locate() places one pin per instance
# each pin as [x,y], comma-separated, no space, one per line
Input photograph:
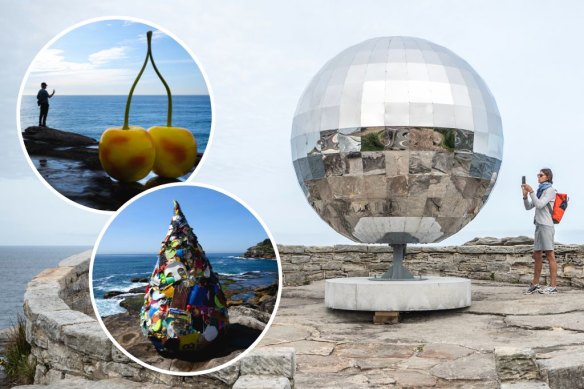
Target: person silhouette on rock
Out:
[43,102]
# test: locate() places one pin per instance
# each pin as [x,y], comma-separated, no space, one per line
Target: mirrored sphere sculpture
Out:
[397,140]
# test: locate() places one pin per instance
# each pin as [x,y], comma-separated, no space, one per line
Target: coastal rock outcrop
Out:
[490,241]
[51,142]
[263,249]
[246,325]
[56,138]
[69,162]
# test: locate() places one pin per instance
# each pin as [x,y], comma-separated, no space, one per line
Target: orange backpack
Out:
[560,205]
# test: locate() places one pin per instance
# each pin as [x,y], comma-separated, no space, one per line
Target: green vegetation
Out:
[372,142]
[449,141]
[19,370]
[266,247]
[263,249]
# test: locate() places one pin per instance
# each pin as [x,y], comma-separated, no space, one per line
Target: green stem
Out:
[129,100]
[169,112]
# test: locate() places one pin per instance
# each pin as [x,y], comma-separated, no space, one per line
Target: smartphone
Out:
[522,180]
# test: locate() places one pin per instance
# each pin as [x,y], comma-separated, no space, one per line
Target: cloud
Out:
[82,82]
[108,55]
[53,60]
[79,77]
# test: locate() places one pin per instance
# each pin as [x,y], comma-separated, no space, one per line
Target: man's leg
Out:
[537,267]
[551,257]
[43,117]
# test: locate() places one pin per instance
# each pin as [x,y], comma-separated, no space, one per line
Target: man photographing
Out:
[543,201]
[43,101]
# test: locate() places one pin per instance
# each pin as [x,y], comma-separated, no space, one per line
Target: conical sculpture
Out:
[184,306]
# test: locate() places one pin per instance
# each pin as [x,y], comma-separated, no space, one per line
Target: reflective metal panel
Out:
[397,140]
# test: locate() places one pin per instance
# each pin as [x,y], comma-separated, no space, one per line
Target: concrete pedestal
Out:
[362,294]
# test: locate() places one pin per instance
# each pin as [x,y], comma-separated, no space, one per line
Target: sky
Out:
[221,224]
[259,57]
[104,58]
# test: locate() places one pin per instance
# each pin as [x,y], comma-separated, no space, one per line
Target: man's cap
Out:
[43,83]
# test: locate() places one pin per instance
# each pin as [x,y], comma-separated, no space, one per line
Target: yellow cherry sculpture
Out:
[176,148]
[176,151]
[128,153]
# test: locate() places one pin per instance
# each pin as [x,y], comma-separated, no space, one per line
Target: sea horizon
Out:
[22,264]
[206,252]
[134,95]
[123,272]
[91,115]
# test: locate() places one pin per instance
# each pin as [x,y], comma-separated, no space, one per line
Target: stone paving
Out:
[505,339]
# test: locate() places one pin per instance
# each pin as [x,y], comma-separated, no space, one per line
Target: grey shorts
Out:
[544,238]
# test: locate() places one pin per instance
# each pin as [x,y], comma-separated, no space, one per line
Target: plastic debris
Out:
[184,307]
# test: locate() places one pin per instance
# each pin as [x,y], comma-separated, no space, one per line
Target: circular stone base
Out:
[362,294]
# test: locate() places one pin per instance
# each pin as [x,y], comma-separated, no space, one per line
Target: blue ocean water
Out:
[18,265]
[92,115]
[115,272]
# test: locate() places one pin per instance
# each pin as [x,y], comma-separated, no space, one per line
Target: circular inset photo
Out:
[110,108]
[185,279]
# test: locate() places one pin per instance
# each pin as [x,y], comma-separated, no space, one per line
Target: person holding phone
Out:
[43,102]
[543,201]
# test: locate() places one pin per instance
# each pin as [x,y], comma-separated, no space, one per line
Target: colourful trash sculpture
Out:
[184,306]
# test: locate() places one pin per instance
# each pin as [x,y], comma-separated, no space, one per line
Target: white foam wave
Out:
[109,307]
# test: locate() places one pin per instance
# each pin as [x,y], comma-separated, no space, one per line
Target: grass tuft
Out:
[19,370]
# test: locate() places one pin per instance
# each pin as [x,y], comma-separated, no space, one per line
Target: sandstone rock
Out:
[413,379]
[227,374]
[473,367]
[314,249]
[299,259]
[350,248]
[80,262]
[270,362]
[291,249]
[247,321]
[88,338]
[241,311]
[486,241]
[563,368]
[525,385]
[52,322]
[515,364]
[509,241]
[518,241]
[81,383]
[262,382]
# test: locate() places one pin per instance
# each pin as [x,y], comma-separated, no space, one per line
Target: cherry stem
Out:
[129,100]
[169,112]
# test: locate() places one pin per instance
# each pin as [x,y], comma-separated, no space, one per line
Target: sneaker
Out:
[532,289]
[549,290]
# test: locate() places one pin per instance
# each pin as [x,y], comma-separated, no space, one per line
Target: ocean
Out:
[92,115]
[20,264]
[111,272]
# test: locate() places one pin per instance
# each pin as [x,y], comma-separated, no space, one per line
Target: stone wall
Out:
[304,264]
[68,343]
